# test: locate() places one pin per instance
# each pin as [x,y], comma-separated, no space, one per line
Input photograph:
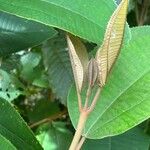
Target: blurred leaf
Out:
[29,63]
[10,86]
[55,137]
[42,110]
[134,139]
[14,129]
[32,69]
[125,99]
[41,81]
[10,63]
[5,144]
[18,34]
[86,19]
[57,62]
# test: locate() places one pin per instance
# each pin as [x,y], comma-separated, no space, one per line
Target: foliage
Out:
[36,79]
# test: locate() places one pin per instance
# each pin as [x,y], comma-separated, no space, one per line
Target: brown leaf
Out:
[109,51]
[79,59]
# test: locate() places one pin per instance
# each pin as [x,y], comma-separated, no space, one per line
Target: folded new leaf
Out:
[79,59]
[109,51]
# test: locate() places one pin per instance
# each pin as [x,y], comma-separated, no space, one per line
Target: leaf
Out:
[109,51]
[134,139]
[125,100]
[57,62]
[14,129]
[55,137]
[18,34]
[11,63]
[10,86]
[86,19]
[5,144]
[29,63]
[76,64]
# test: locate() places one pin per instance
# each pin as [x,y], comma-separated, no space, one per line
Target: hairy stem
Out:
[80,127]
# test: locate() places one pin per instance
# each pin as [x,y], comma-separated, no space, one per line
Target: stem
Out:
[79,101]
[49,119]
[80,127]
[87,97]
[81,143]
[94,100]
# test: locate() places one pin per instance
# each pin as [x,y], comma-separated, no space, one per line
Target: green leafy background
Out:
[36,80]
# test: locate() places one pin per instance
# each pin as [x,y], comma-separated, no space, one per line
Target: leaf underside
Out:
[109,51]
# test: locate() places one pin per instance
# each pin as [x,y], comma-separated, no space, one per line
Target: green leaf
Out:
[10,63]
[5,144]
[29,63]
[55,136]
[57,62]
[134,139]
[10,86]
[14,129]
[125,99]
[18,34]
[86,19]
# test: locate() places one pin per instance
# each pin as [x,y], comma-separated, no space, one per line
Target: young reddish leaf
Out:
[79,59]
[108,53]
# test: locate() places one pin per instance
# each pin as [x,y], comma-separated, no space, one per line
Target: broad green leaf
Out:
[10,86]
[18,34]
[5,144]
[86,19]
[55,136]
[57,62]
[14,129]
[134,139]
[110,49]
[125,99]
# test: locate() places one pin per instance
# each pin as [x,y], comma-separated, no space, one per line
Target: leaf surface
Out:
[18,34]
[5,144]
[125,99]
[57,63]
[10,86]
[109,51]
[134,139]
[14,129]
[75,55]
[55,137]
[86,19]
